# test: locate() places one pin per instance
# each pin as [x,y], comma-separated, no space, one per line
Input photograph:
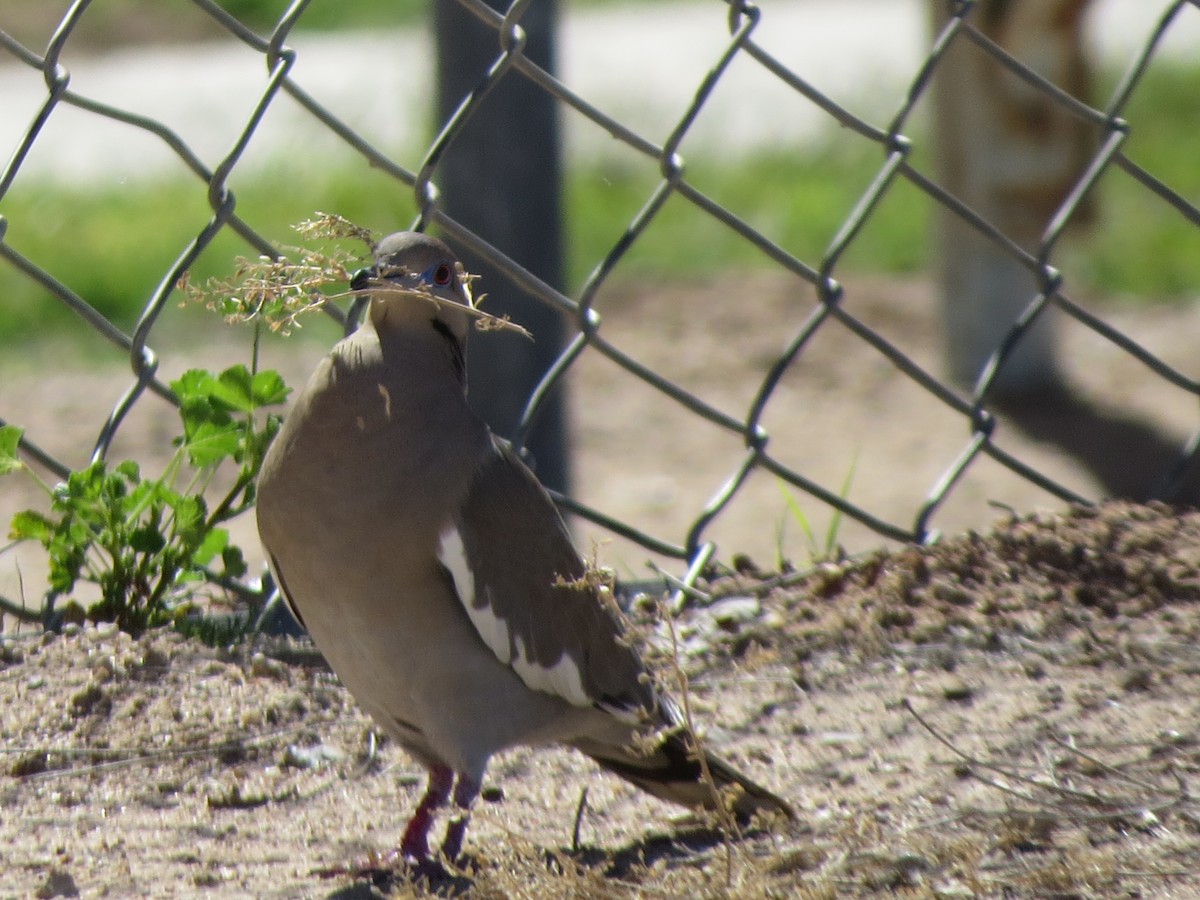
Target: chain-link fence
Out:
[820,309]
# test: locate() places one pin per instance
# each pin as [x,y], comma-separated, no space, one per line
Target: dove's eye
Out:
[443,275]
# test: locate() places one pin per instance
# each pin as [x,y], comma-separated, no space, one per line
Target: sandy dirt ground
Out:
[1002,714]
[1005,715]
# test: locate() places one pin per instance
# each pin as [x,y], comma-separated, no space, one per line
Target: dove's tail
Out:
[672,771]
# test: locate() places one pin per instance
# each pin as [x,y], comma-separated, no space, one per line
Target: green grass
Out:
[113,245]
[798,201]
[1142,246]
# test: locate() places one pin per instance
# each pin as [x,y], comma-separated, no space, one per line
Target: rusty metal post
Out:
[1011,153]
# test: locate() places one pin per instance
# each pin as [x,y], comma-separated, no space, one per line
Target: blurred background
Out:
[780,324]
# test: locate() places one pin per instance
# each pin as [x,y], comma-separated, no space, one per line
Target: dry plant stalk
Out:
[279,290]
[1048,798]
[380,286]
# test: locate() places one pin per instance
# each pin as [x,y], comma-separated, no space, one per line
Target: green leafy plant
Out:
[149,543]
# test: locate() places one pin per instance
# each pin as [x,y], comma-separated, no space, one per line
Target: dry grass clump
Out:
[279,290]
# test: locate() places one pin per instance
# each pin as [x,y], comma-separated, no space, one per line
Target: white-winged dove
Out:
[436,575]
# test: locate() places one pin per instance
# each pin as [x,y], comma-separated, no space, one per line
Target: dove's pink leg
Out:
[465,792]
[415,843]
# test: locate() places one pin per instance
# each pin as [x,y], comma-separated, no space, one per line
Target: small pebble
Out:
[838,738]
[310,757]
[734,610]
[104,630]
[262,666]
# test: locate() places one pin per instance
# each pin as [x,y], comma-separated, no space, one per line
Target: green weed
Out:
[149,543]
[817,549]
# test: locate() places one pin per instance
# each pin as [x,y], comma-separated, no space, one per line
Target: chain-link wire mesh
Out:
[825,302]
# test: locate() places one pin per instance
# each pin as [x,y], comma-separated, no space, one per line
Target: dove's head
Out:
[417,282]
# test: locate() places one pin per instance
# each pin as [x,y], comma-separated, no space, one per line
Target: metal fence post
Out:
[502,179]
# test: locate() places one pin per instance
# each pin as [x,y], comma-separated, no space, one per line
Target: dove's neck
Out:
[428,341]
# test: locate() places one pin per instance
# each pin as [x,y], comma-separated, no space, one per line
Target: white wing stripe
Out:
[491,627]
[562,679]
